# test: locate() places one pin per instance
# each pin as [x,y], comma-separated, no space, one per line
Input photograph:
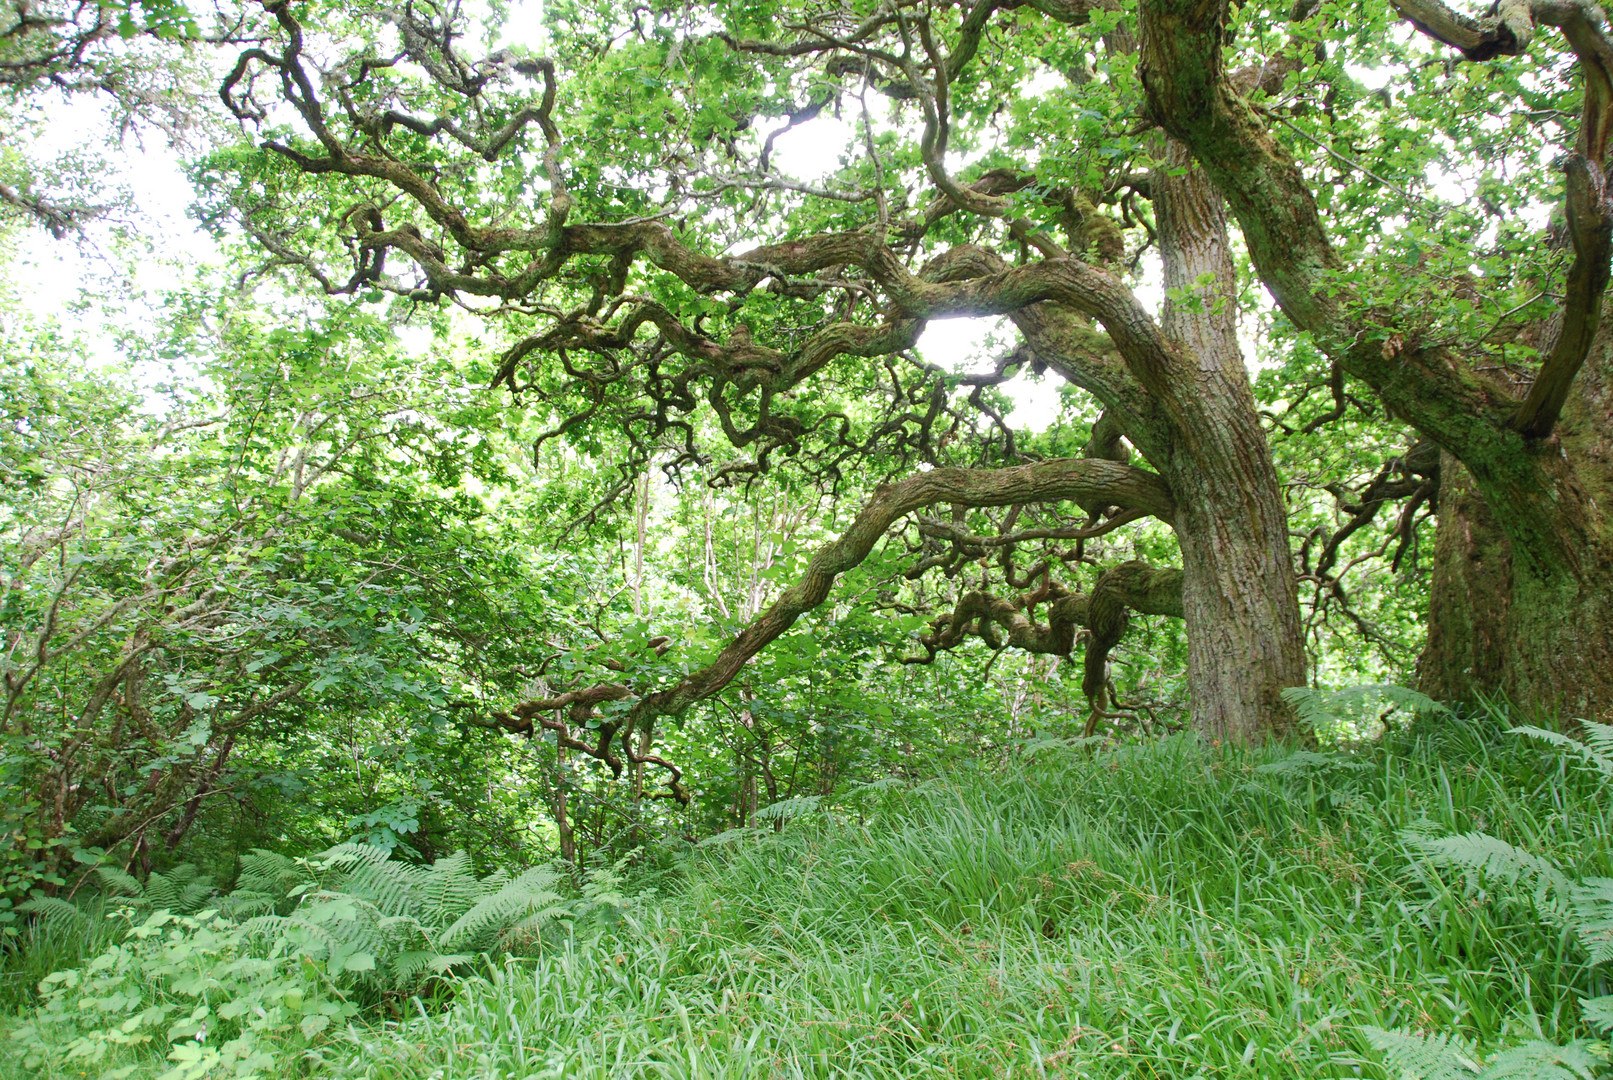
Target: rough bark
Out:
[1469,594]
[1537,629]
[1239,597]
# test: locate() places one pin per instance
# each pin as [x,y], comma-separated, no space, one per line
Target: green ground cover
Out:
[1153,910]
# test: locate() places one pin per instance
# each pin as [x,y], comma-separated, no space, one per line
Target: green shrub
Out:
[301,945]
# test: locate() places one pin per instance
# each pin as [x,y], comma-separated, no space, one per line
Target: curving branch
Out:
[1508,30]
[1079,479]
[1101,613]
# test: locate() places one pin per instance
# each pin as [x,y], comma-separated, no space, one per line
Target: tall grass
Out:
[1152,911]
[1161,910]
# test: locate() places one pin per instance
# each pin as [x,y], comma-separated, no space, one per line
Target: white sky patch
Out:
[811,152]
[967,344]
[53,275]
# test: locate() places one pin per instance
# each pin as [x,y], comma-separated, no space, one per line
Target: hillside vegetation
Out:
[1154,910]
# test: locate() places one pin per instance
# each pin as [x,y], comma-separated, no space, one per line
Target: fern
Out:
[1583,906]
[396,888]
[452,888]
[1593,917]
[1598,1013]
[1537,1060]
[1598,739]
[788,809]
[1423,1057]
[265,884]
[119,882]
[728,836]
[54,912]
[1358,708]
[1485,856]
[183,889]
[523,904]
[1595,751]
[1302,762]
[384,925]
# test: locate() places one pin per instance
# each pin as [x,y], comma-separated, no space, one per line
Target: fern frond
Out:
[493,914]
[184,873]
[443,963]
[163,894]
[53,911]
[1357,705]
[788,809]
[727,836]
[336,865]
[1596,751]
[1309,761]
[1599,739]
[1410,1056]
[451,889]
[1482,855]
[1593,917]
[1537,1060]
[119,882]
[407,965]
[1598,1013]
[396,888]
[195,896]
[268,873]
[537,879]
[241,904]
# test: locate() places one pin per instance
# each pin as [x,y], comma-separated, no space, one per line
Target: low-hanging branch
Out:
[1102,613]
[1083,480]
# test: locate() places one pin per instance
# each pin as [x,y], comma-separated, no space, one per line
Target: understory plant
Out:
[300,946]
[1497,871]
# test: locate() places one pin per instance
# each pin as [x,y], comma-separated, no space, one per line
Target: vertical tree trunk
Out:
[557,809]
[1522,594]
[641,520]
[1239,597]
[1469,594]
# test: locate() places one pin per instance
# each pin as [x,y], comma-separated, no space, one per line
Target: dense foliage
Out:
[524,587]
[1160,906]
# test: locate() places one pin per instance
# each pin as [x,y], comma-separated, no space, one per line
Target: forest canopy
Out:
[1393,217]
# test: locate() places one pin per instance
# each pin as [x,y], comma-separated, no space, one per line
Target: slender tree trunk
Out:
[641,520]
[645,737]
[1239,597]
[558,809]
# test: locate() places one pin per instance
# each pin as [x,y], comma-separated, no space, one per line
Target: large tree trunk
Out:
[1522,601]
[1239,597]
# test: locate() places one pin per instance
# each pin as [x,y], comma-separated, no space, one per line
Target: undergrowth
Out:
[1161,910]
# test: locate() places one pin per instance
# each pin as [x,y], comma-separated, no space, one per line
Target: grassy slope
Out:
[1154,911]
[1159,911]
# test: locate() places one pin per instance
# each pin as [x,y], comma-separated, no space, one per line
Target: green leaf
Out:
[1598,1012]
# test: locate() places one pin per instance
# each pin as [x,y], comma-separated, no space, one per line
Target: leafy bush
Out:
[299,946]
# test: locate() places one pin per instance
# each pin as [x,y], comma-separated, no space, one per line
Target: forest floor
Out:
[1160,910]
